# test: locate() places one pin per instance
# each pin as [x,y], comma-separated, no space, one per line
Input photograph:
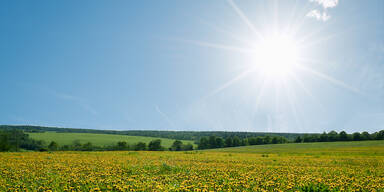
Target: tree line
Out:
[342,136]
[177,135]
[154,145]
[17,140]
[212,142]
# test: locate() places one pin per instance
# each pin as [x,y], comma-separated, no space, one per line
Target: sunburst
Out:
[276,56]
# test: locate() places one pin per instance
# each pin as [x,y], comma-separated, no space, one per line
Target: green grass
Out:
[318,148]
[97,139]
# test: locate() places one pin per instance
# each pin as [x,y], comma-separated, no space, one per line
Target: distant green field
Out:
[318,148]
[97,139]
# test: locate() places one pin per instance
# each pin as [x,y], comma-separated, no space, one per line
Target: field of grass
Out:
[97,139]
[344,166]
[318,148]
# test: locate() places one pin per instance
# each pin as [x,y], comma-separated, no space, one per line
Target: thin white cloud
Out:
[80,101]
[326,3]
[165,116]
[322,16]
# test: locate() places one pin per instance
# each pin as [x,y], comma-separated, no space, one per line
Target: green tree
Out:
[298,139]
[140,146]
[380,135]
[267,140]
[343,136]
[155,145]
[356,136]
[310,138]
[323,137]
[365,136]
[88,147]
[236,141]
[177,146]
[122,145]
[53,146]
[188,147]
[275,140]
[76,145]
[203,144]
[282,140]
[228,142]
[4,144]
[244,142]
[219,142]
[259,140]
[252,141]
[333,136]
[14,140]
[212,142]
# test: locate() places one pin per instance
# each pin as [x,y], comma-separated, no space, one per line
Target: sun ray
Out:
[308,92]
[276,16]
[292,103]
[320,40]
[351,28]
[219,46]
[275,59]
[292,16]
[245,19]
[228,83]
[232,35]
[312,34]
[299,22]
[260,95]
[277,91]
[332,80]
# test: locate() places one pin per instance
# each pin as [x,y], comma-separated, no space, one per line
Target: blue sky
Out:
[178,65]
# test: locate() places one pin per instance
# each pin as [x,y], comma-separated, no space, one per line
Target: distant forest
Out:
[18,140]
[212,142]
[15,138]
[179,135]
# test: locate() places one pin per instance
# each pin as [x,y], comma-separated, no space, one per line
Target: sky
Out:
[193,65]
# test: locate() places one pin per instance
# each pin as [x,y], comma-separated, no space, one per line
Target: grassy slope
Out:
[97,139]
[320,148]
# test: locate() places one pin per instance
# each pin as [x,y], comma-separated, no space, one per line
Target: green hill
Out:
[97,139]
[181,135]
[318,148]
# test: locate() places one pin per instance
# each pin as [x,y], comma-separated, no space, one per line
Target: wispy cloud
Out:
[165,116]
[79,101]
[322,15]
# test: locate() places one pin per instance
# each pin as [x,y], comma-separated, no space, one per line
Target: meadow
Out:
[98,139]
[318,148]
[341,166]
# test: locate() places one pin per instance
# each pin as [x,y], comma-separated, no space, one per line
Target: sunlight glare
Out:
[276,56]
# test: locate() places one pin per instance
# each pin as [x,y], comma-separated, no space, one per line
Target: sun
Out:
[276,56]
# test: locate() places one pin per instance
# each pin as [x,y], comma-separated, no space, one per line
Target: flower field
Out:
[350,169]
